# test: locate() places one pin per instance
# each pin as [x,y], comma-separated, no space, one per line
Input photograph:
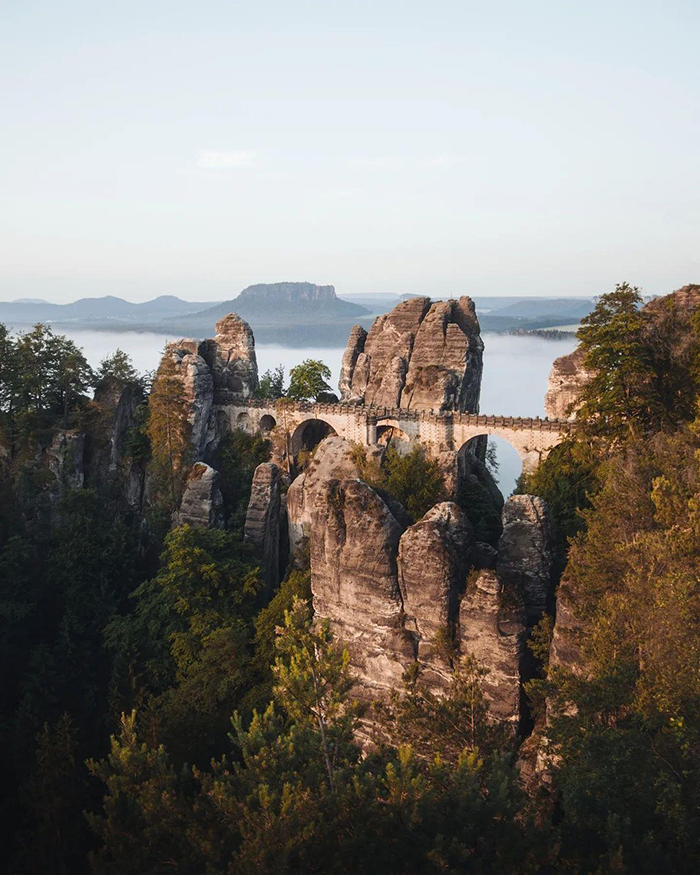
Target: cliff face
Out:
[263,521]
[566,379]
[525,558]
[419,356]
[202,504]
[433,560]
[399,594]
[354,540]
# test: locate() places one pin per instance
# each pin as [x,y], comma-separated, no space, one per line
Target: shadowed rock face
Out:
[354,542]
[433,560]
[492,628]
[525,552]
[418,356]
[201,504]
[262,522]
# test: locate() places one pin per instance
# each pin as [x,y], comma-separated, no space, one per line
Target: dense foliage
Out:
[157,715]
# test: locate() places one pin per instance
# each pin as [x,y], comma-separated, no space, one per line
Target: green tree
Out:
[169,429]
[308,380]
[119,367]
[618,400]
[312,680]
[271,384]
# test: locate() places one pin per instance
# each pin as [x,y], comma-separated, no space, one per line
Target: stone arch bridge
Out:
[438,431]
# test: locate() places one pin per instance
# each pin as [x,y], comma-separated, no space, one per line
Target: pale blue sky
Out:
[442,147]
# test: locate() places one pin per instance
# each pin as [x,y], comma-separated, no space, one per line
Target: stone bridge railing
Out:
[440,431]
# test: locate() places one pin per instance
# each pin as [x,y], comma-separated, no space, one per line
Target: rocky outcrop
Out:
[433,561]
[221,370]
[492,629]
[198,390]
[202,504]
[263,520]
[333,458]
[525,552]
[354,539]
[418,356]
[106,461]
[566,379]
[355,348]
[230,355]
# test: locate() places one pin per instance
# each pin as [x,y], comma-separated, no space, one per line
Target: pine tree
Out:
[169,429]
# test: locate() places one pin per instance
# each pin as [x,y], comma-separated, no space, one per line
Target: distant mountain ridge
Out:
[282,303]
[106,307]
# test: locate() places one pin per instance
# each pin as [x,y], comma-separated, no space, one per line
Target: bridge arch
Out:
[509,459]
[267,423]
[309,433]
[389,432]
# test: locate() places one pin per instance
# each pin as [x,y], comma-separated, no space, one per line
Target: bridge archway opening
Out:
[390,435]
[267,423]
[243,422]
[309,434]
[492,449]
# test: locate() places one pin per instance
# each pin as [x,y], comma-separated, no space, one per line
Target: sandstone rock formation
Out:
[492,629]
[263,521]
[220,370]
[230,355]
[198,390]
[525,552]
[433,560]
[418,356]
[354,542]
[202,504]
[566,379]
[333,458]
[105,440]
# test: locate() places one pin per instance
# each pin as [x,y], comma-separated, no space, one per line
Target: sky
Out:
[539,148]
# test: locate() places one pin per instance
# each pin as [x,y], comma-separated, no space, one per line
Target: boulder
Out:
[262,522]
[418,356]
[353,542]
[433,560]
[492,629]
[525,556]
[202,504]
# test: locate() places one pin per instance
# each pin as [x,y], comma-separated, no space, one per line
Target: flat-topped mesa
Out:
[420,356]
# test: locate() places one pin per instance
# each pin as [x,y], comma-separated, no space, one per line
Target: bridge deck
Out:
[369,412]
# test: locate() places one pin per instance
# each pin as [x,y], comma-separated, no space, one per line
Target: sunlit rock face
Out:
[230,355]
[492,629]
[418,356]
[198,390]
[566,380]
[333,458]
[433,561]
[354,540]
[202,504]
[525,556]
[221,370]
